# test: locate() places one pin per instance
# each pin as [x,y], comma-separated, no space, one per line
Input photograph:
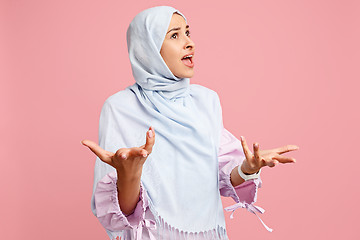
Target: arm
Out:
[128,189]
[244,193]
[129,163]
[124,182]
[230,156]
[235,178]
[108,209]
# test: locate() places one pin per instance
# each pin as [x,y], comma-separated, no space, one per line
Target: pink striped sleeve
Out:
[107,206]
[230,156]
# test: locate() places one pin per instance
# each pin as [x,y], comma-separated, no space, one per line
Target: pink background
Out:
[287,72]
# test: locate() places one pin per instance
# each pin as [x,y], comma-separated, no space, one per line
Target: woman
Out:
[171,186]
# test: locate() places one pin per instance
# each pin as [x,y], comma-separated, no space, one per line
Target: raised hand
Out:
[128,161]
[259,159]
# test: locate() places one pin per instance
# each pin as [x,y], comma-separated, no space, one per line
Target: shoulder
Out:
[205,94]
[123,97]
[208,93]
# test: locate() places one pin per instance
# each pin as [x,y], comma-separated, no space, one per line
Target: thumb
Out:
[150,140]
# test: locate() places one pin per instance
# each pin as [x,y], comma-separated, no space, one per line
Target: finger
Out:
[271,162]
[286,148]
[284,159]
[104,155]
[247,152]
[123,153]
[274,163]
[150,140]
[137,152]
[258,156]
[256,151]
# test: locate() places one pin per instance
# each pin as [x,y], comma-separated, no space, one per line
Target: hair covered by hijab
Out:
[145,36]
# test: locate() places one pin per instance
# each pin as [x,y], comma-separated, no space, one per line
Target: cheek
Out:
[171,52]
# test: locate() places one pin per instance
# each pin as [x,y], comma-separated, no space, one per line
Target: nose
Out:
[189,44]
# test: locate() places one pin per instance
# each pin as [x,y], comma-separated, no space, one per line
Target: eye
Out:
[175,34]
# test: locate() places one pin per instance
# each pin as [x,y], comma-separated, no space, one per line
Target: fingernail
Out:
[242,138]
[144,155]
[123,156]
[150,133]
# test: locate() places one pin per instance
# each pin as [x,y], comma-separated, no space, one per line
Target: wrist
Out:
[246,172]
[248,175]
[127,177]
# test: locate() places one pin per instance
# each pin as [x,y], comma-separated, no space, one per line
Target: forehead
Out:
[176,21]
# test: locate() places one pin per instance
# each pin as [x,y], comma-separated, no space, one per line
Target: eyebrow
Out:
[177,28]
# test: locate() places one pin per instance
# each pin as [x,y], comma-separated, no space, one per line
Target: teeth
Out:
[189,56]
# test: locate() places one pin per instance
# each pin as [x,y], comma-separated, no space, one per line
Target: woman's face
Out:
[176,45]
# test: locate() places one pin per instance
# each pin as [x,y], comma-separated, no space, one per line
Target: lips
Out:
[188,61]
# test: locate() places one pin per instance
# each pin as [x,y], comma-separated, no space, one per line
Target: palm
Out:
[120,159]
[261,158]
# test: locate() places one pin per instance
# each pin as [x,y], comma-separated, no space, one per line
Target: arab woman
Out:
[164,158]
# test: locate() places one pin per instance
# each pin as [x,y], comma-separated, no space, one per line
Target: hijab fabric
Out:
[180,176]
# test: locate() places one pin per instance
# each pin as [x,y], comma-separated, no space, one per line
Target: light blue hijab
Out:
[180,176]
[145,36]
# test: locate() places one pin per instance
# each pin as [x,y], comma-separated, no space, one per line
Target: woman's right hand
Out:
[127,161]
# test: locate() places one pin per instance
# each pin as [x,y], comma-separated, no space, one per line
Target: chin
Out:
[186,75]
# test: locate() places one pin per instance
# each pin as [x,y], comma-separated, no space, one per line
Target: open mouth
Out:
[188,61]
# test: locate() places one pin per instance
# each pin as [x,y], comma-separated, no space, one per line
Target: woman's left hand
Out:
[261,158]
